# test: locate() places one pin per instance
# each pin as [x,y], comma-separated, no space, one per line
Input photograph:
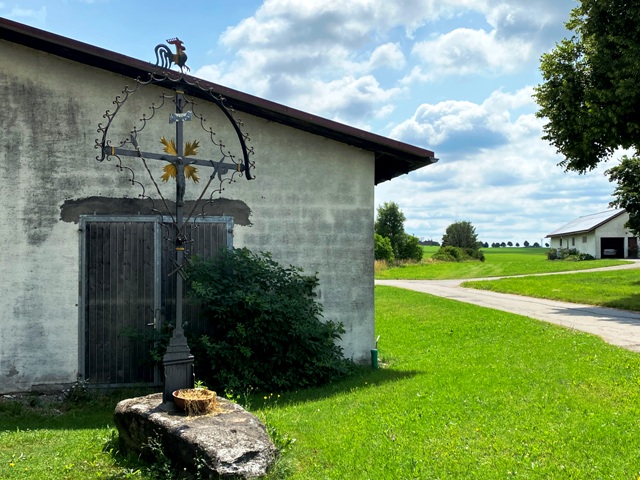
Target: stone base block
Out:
[231,443]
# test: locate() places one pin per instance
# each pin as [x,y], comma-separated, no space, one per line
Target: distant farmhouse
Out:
[83,251]
[602,235]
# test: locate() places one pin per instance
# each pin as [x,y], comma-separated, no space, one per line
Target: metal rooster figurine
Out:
[164,57]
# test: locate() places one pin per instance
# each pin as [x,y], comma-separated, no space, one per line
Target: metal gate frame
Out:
[157,221]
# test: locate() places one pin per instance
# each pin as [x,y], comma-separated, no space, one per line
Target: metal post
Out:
[178,361]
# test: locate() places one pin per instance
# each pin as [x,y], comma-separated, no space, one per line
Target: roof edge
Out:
[573,232]
[393,158]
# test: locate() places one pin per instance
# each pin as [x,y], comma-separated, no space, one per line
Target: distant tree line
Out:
[460,241]
[525,244]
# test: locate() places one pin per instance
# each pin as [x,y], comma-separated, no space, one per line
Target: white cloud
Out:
[319,56]
[454,125]
[508,186]
[466,52]
[388,55]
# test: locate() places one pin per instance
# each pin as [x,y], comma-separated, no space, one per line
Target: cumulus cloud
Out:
[361,62]
[388,55]
[507,188]
[287,48]
[454,125]
[466,52]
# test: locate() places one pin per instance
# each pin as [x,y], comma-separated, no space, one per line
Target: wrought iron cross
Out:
[178,361]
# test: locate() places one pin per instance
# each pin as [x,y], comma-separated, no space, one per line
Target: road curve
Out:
[618,327]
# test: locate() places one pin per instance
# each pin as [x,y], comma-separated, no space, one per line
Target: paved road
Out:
[618,327]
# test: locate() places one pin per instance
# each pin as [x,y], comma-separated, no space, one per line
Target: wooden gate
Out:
[127,289]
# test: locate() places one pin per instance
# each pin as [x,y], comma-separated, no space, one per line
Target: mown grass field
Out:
[498,262]
[462,392]
[469,393]
[60,440]
[615,289]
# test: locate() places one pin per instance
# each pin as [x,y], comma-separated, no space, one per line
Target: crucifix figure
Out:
[178,361]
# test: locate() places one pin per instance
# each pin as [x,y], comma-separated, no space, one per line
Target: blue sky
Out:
[453,76]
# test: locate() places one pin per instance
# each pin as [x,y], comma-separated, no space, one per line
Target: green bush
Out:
[382,248]
[448,254]
[568,254]
[457,254]
[410,249]
[266,325]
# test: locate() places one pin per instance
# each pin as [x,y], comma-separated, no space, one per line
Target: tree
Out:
[460,234]
[525,243]
[509,244]
[590,93]
[627,193]
[390,224]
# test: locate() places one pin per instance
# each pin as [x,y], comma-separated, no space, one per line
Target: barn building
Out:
[83,226]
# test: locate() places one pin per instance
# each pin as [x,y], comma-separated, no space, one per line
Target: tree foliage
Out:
[390,224]
[627,193]
[460,234]
[410,249]
[459,243]
[382,248]
[267,331]
[457,254]
[590,93]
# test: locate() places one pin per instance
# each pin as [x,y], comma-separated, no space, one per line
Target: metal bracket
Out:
[180,117]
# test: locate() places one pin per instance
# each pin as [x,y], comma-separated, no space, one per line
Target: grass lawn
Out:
[462,392]
[62,441]
[498,262]
[469,392]
[617,288]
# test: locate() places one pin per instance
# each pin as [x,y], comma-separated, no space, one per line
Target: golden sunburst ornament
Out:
[170,171]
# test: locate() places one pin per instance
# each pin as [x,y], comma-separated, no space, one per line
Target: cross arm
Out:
[112,151]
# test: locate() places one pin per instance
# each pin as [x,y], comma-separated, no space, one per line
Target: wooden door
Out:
[128,291]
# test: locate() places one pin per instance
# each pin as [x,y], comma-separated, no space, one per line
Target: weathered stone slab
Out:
[231,443]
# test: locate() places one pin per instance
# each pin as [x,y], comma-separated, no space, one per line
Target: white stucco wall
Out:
[311,206]
[576,241]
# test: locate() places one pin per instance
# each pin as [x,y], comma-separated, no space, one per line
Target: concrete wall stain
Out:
[39,126]
[71,210]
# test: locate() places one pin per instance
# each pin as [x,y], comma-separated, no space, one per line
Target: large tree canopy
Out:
[591,89]
[462,235]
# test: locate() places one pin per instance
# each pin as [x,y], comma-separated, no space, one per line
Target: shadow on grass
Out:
[52,412]
[363,377]
[629,302]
